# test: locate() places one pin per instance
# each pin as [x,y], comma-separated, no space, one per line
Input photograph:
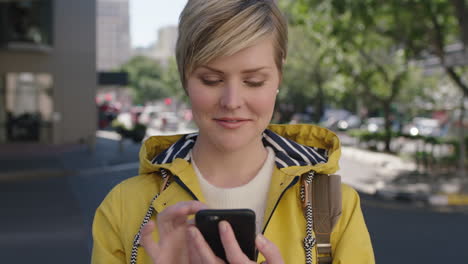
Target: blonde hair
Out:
[209,29]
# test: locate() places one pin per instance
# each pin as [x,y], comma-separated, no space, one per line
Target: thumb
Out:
[269,250]
[150,246]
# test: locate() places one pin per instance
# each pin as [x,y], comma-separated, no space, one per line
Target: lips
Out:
[231,119]
[231,122]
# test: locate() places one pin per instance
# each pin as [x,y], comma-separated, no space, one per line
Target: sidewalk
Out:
[59,161]
[397,179]
[48,199]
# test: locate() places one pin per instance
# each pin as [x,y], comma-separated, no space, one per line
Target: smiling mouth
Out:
[229,120]
[231,123]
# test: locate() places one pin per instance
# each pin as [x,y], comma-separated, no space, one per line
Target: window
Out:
[25,23]
[26,107]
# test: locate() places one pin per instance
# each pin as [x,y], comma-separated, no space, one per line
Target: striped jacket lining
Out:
[288,153]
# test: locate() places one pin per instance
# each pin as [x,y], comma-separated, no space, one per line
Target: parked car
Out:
[377,124]
[107,112]
[423,126]
[148,114]
[351,122]
[301,118]
[168,121]
[331,118]
[374,124]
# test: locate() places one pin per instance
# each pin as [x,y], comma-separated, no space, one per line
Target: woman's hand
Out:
[200,252]
[172,227]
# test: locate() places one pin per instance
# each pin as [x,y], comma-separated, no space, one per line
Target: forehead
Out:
[259,55]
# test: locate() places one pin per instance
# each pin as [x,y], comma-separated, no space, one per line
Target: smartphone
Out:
[242,222]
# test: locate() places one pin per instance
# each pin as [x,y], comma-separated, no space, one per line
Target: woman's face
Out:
[233,97]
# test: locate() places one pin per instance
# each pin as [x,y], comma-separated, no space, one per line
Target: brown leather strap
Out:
[326,203]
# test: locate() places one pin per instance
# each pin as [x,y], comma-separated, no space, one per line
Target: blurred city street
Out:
[48,219]
[83,83]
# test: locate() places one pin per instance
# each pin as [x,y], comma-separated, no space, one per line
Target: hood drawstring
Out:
[309,240]
[136,241]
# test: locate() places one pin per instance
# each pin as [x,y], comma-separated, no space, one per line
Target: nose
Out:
[231,97]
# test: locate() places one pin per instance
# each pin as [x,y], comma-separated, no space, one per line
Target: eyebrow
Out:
[244,71]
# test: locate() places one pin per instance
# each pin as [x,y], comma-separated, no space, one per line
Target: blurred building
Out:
[113,50]
[164,48]
[47,71]
[113,34]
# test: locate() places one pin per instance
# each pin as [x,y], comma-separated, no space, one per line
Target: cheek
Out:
[201,100]
[197,100]
[264,103]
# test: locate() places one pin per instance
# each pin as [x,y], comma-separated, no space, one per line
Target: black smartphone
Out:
[242,222]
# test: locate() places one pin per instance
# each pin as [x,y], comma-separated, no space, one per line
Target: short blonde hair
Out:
[209,29]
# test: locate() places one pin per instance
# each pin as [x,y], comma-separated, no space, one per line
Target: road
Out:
[404,234]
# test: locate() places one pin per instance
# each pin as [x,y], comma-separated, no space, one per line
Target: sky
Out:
[147,16]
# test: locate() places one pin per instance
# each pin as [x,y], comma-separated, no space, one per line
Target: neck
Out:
[227,168]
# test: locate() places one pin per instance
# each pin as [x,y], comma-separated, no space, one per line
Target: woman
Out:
[230,55]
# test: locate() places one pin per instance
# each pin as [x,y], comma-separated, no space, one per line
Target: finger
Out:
[201,250]
[191,222]
[183,208]
[234,253]
[269,250]
[191,207]
[147,241]
[193,254]
[177,214]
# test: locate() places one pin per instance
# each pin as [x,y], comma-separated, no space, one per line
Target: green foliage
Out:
[151,81]
[376,40]
[424,158]
[416,26]
[313,76]
[306,73]
[145,79]
[366,136]
[136,133]
[171,79]
[428,159]
[369,42]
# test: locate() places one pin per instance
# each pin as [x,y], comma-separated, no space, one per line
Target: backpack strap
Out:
[325,197]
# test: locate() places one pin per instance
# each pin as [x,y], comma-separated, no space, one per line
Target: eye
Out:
[254,83]
[211,82]
[210,79]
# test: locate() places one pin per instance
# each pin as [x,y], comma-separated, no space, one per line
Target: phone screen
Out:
[242,222]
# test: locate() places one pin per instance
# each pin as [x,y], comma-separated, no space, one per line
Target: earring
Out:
[277,91]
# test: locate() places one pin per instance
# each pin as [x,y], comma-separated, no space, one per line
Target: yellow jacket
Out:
[118,218]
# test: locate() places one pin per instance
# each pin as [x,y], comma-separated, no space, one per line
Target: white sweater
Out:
[252,195]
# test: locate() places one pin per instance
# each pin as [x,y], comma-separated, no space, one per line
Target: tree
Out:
[306,74]
[381,76]
[419,27]
[171,80]
[379,68]
[145,79]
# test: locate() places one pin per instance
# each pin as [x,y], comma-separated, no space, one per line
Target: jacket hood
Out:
[298,149]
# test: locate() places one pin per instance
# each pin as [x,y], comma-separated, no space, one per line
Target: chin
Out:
[232,143]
